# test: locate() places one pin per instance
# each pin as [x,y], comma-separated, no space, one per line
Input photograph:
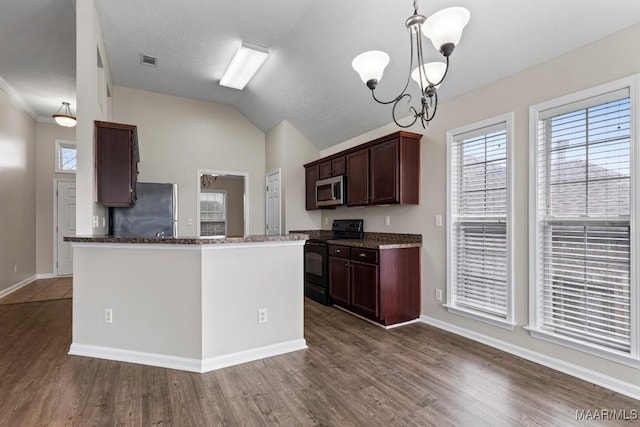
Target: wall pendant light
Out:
[63,116]
[444,28]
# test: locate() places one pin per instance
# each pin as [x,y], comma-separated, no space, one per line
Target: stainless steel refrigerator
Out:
[155,213]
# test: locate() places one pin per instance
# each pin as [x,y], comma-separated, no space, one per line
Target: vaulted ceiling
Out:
[308,79]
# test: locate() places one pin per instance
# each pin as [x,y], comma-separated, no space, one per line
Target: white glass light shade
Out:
[432,71]
[63,116]
[446,26]
[66,121]
[370,65]
[244,65]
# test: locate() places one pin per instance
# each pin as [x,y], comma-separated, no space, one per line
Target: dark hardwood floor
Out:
[353,374]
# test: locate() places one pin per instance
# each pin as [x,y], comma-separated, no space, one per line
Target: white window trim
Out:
[508,323]
[58,155]
[633,83]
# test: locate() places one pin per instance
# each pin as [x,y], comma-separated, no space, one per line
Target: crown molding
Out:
[17,99]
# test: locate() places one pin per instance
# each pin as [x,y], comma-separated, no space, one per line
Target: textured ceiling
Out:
[308,79]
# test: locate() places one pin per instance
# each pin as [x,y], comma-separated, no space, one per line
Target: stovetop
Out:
[343,229]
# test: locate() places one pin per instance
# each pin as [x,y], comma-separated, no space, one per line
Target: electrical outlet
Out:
[438,220]
[108,315]
[15,268]
[262,315]
[326,220]
[438,294]
[387,220]
[190,221]
[95,221]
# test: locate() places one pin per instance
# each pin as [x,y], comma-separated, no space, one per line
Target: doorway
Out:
[65,225]
[222,204]
[274,215]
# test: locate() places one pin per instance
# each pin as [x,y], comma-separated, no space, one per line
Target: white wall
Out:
[178,136]
[605,60]
[91,88]
[288,150]
[46,135]
[17,194]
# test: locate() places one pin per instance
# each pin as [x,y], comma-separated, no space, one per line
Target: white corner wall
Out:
[93,105]
[288,150]
[605,60]
[178,136]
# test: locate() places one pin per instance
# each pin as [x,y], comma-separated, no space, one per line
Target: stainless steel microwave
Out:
[330,191]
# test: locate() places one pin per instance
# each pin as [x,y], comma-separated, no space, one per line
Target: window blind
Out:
[583,209]
[479,220]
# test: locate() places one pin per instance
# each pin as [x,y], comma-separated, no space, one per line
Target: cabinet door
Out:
[116,164]
[385,185]
[365,291]
[311,176]
[339,281]
[324,170]
[338,166]
[358,178]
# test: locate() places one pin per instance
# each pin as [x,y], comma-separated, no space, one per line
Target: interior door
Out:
[65,225]
[273,203]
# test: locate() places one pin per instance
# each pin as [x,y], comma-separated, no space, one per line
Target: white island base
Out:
[192,307]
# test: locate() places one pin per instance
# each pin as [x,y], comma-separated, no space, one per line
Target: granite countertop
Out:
[370,240]
[187,240]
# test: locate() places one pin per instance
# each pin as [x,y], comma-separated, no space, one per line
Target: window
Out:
[583,283]
[65,157]
[213,213]
[479,283]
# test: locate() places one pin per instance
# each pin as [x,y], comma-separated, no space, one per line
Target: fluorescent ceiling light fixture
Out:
[244,65]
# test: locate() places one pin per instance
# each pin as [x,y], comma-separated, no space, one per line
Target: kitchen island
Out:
[187,303]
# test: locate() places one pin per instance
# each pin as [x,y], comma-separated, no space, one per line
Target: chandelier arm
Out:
[423,87]
[411,109]
[446,70]
[404,91]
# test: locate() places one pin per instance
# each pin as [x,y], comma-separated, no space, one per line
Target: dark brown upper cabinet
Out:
[310,178]
[117,157]
[333,167]
[384,171]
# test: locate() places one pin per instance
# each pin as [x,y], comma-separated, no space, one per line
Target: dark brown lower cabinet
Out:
[381,285]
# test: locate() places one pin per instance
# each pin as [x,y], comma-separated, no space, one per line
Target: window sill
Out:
[612,355]
[64,171]
[504,324]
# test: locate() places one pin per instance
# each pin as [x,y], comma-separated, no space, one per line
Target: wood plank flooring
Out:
[352,374]
[41,290]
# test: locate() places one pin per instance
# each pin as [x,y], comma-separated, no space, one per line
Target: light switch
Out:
[387,220]
[190,221]
[438,220]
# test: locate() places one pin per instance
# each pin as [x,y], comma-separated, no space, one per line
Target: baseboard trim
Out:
[184,363]
[46,276]
[245,356]
[622,387]
[13,288]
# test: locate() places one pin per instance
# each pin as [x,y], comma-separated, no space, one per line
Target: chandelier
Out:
[444,29]
[63,116]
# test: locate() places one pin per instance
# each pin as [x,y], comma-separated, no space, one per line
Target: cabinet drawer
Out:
[364,255]
[339,251]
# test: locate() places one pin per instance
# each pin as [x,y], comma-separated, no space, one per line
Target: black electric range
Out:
[316,258]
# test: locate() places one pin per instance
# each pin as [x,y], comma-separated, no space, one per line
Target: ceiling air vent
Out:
[148,60]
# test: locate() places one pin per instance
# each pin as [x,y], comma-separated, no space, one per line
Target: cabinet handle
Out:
[337,251]
[363,255]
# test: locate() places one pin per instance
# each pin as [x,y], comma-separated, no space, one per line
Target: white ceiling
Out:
[308,79]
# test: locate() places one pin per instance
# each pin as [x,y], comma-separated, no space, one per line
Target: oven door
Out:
[315,263]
